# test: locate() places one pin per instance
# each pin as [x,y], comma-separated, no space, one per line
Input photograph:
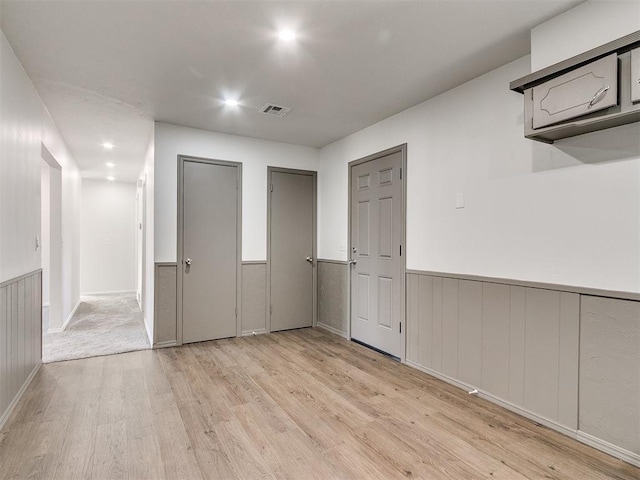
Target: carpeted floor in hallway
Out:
[102,325]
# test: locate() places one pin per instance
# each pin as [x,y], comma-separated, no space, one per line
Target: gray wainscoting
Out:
[542,352]
[20,338]
[610,371]
[166,316]
[253,301]
[254,297]
[333,296]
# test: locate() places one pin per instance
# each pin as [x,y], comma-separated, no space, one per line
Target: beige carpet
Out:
[102,325]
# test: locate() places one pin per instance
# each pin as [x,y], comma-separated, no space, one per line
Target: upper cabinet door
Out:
[635,75]
[579,92]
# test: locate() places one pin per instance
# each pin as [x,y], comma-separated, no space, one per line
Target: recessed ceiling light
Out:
[111,179]
[111,164]
[230,102]
[108,145]
[287,35]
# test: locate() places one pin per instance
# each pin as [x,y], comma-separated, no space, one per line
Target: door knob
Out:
[309,259]
[351,262]
[188,262]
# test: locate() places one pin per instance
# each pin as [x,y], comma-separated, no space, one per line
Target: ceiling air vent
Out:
[275,110]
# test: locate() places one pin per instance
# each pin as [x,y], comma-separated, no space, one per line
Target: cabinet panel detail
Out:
[584,90]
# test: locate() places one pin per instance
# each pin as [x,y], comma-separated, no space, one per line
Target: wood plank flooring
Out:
[302,404]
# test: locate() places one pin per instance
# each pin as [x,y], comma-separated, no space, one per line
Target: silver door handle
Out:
[309,259]
[351,262]
[188,262]
[598,96]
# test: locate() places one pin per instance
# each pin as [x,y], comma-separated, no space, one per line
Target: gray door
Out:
[210,220]
[291,248]
[377,276]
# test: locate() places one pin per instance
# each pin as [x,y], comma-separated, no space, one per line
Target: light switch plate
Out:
[460,200]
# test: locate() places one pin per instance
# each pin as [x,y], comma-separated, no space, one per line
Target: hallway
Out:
[102,325]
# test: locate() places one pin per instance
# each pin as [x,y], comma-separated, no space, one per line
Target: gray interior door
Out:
[291,249]
[376,236]
[210,219]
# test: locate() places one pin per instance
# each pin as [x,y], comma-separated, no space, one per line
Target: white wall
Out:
[108,238]
[25,127]
[255,155]
[45,231]
[567,213]
[20,137]
[148,287]
[582,28]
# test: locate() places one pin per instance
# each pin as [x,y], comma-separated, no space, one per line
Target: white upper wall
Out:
[255,155]
[108,239]
[582,28]
[25,125]
[21,114]
[567,213]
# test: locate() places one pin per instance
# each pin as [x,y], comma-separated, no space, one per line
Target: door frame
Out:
[180,232]
[314,175]
[402,149]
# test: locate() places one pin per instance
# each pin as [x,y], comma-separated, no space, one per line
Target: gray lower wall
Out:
[333,296]
[20,337]
[254,297]
[166,315]
[166,318]
[567,359]
[610,371]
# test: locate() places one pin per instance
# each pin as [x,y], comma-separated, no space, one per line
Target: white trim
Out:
[250,333]
[66,322]
[113,292]
[552,424]
[333,330]
[46,305]
[7,413]
[146,327]
[606,447]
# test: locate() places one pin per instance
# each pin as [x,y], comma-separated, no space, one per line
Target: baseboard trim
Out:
[250,333]
[112,292]
[66,322]
[7,413]
[606,447]
[552,424]
[333,330]
[170,343]
[146,327]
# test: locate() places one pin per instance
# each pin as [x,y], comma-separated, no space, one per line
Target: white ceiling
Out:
[107,69]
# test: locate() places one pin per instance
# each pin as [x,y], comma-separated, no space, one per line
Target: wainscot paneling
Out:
[20,338]
[254,297]
[333,292]
[253,301]
[610,372]
[541,352]
[515,343]
[166,315]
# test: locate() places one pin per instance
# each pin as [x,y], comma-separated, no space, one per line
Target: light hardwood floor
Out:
[303,404]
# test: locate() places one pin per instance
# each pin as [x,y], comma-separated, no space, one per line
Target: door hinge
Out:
[400,327]
[270,309]
[400,173]
[400,250]
[272,187]
[236,312]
